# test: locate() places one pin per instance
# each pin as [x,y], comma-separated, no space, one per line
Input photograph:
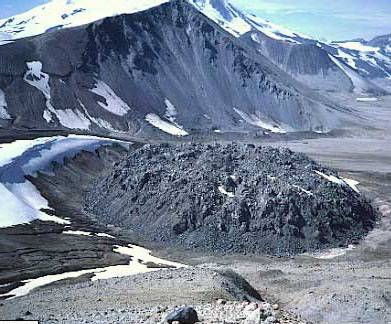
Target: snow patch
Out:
[82,233]
[21,204]
[359,83]
[309,193]
[165,126]
[68,118]
[97,121]
[73,119]
[331,254]
[114,104]
[40,80]
[138,264]
[352,184]
[171,111]
[20,201]
[256,121]
[342,182]
[367,99]
[104,235]
[225,192]
[3,107]
[348,59]
[357,46]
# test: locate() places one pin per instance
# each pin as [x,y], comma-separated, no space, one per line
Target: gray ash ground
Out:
[230,198]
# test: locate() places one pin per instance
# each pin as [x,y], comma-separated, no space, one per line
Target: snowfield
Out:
[67,13]
[113,104]
[165,126]
[256,121]
[138,264]
[20,201]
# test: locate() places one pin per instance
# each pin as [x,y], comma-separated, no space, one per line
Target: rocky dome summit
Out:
[231,198]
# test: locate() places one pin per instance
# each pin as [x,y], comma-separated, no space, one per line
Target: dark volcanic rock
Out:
[184,315]
[230,198]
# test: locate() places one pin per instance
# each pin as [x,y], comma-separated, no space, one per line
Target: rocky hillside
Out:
[231,198]
[315,64]
[166,71]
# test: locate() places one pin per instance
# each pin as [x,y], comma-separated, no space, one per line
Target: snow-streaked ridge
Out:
[73,119]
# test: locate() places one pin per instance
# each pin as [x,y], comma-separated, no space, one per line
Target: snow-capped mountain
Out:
[360,60]
[58,14]
[166,70]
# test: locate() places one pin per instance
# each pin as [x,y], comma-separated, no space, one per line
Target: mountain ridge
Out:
[374,65]
[114,74]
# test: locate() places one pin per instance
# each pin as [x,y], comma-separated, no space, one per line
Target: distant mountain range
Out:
[159,68]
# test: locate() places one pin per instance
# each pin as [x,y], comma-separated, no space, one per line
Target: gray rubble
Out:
[230,198]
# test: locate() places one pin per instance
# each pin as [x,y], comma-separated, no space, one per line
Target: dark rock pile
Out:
[231,198]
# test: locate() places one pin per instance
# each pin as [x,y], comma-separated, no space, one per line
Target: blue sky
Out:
[325,19]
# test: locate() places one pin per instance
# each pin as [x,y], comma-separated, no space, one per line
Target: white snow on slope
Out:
[97,121]
[342,182]
[72,119]
[357,46]
[140,257]
[347,58]
[3,107]
[354,51]
[9,151]
[171,111]
[331,253]
[238,23]
[36,78]
[225,192]
[256,121]
[18,206]
[352,184]
[68,13]
[234,25]
[367,99]
[104,235]
[59,14]
[20,201]
[114,104]
[165,126]
[360,85]
[82,233]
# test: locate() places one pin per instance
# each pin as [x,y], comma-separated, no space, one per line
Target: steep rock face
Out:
[166,70]
[231,198]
